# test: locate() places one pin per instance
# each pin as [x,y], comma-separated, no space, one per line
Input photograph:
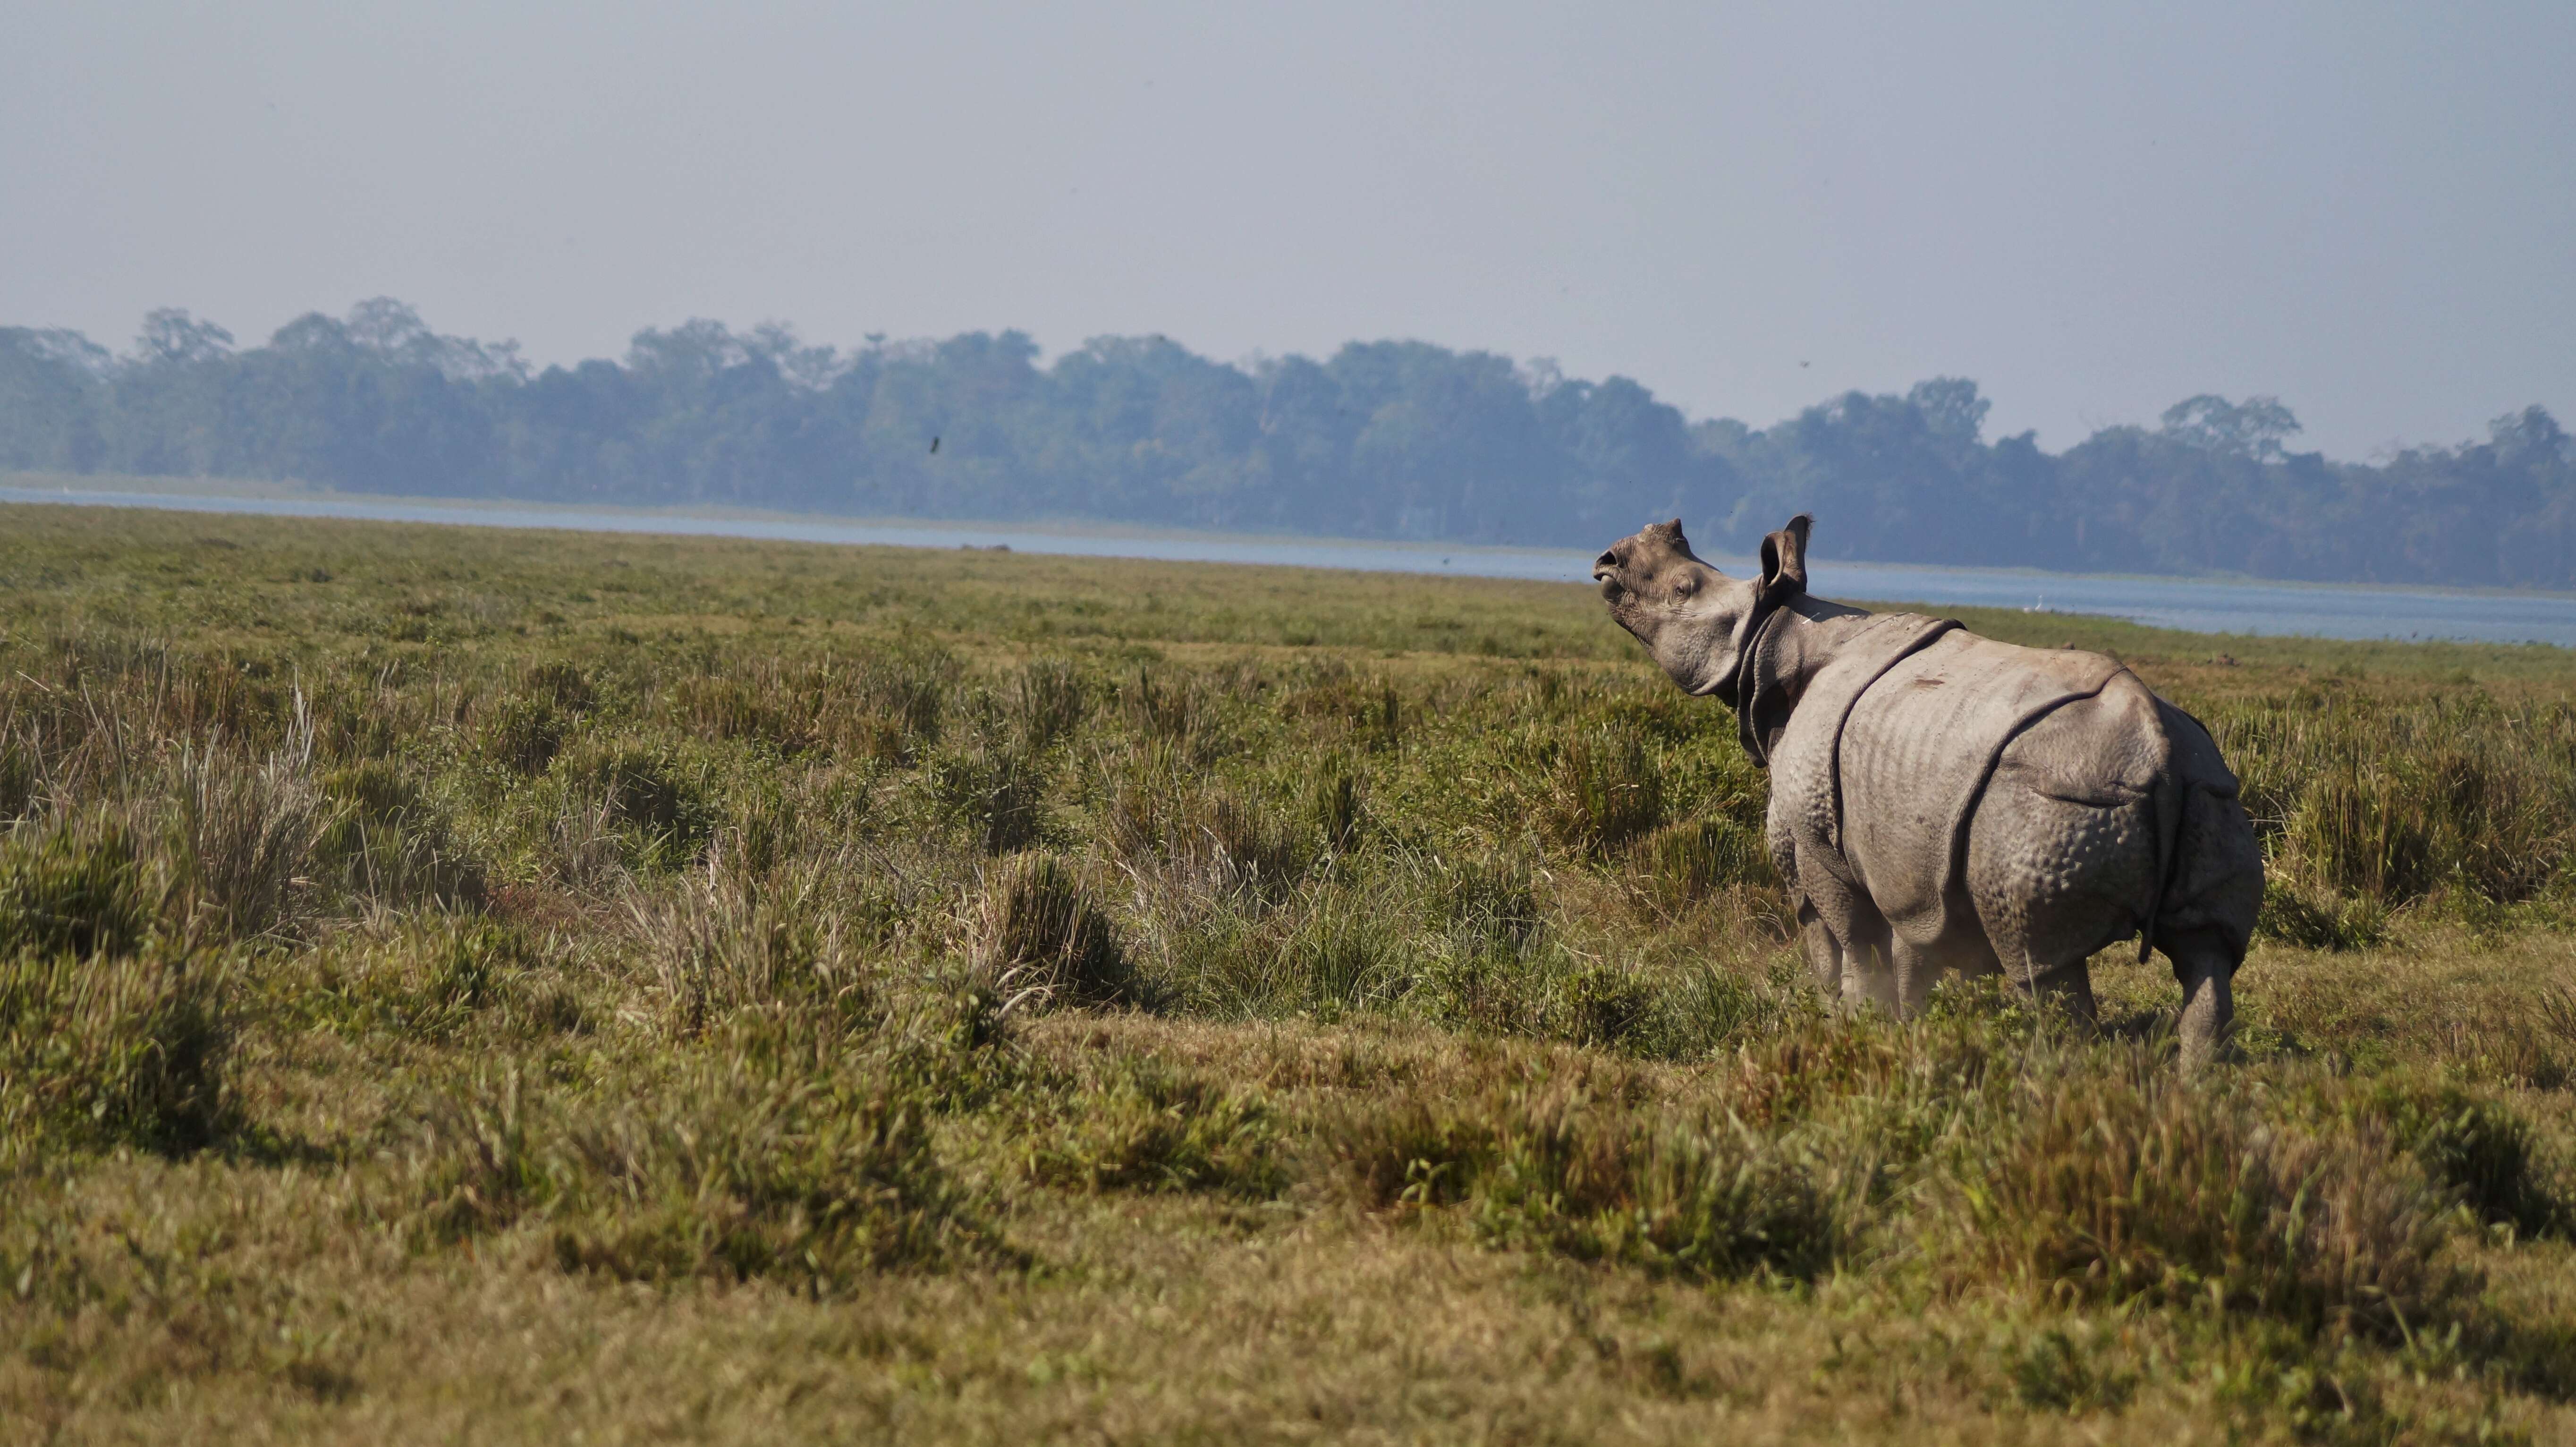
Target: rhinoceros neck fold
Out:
[1788,650]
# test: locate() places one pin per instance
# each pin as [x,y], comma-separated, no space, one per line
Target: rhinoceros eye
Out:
[1685,585]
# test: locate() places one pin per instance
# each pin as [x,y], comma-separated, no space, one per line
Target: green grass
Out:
[499,985]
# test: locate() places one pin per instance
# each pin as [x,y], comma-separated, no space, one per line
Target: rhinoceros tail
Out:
[2171,798]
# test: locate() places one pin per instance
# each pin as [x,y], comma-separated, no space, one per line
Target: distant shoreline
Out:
[2197,605]
[121,490]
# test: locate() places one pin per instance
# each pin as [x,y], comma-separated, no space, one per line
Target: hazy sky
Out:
[2094,210]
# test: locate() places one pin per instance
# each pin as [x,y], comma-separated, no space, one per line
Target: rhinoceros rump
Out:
[1943,801]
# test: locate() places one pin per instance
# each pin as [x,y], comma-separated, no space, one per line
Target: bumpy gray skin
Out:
[1941,801]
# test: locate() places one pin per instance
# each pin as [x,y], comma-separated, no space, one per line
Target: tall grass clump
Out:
[1144,1126]
[2125,1184]
[728,939]
[1685,863]
[112,1049]
[997,794]
[1607,789]
[389,844]
[2315,918]
[244,835]
[627,802]
[1346,954]
[901,696]
[1048,700]
[768,1154]
[524,728]
[18,774]
[428,978]
[72,888]
[2395,801]
[1213,840]
[2480,1150]
[1040,930]
[1556,1166]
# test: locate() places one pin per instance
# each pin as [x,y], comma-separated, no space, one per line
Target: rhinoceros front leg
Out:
[2069,987]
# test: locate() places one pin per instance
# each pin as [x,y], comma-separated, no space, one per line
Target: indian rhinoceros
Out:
[1943,801]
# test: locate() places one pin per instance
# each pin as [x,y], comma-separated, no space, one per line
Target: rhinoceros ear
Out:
[1784,560]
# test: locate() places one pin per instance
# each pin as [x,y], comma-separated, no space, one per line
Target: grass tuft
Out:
[1040,929]
[1145,1126]
[110,1050]
[1607,789]
[2132,1186]
[245,835]
[72,888]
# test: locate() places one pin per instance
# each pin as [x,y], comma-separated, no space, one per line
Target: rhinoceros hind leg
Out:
[1823,952]
[2055,877]
[1870,975]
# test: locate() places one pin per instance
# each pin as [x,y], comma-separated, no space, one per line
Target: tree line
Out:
[1399,440]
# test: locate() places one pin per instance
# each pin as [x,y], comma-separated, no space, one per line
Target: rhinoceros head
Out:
[1695,620]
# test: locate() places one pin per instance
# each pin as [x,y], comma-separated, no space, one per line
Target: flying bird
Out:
[934,447]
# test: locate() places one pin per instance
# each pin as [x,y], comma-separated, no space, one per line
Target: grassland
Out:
[484,986]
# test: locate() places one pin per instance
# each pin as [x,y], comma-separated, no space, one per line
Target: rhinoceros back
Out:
[1924,740]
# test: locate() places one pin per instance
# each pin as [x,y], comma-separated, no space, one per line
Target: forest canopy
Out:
[1383,439]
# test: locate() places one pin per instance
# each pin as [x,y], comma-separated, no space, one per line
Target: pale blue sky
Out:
[2094,210]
